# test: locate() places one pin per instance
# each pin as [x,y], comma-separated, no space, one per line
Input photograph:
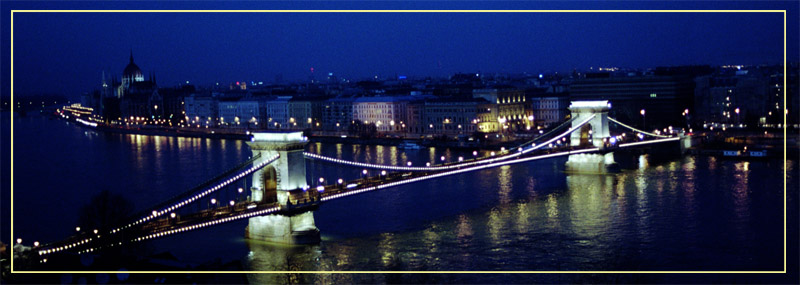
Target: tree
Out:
[362,130]
[105,210]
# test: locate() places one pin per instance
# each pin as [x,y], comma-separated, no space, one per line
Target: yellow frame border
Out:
[785,171]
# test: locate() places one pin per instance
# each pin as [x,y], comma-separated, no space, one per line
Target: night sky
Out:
[65,53]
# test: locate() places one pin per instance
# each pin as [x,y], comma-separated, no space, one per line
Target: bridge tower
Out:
[592,133]
[273,183]
[597,129]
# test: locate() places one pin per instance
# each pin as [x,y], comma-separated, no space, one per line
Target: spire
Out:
[131,55]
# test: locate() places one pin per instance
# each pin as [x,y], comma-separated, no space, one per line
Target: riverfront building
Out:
[662,97]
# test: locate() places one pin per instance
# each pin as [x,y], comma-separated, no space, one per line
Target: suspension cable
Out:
[634,129]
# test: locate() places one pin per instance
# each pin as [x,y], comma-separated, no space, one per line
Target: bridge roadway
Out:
[301,200]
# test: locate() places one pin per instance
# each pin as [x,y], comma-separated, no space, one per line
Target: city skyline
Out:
[205,48]
[590,141]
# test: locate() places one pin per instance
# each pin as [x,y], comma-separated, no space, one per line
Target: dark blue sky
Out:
[64,53]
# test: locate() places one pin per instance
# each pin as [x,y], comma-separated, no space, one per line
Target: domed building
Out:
[131,73]
[138,97]
[133,81]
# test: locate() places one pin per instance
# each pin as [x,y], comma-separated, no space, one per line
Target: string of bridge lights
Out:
[65,247]
[191,227]
[207,224]
[453,172]
[461,164]
[636,130]
[479,167]
[156,213]
[210,190]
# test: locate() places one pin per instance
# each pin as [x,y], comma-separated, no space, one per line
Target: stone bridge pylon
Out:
[594,133]
[273,184]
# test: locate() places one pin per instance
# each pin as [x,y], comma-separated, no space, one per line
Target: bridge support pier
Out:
[686,142]
[592,163]
[273,183]
[297,229]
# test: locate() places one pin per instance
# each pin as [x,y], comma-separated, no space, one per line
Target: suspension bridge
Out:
[281,201]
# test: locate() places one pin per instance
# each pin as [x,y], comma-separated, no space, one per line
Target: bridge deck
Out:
[301,200]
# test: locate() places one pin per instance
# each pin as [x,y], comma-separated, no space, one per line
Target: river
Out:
[688,213]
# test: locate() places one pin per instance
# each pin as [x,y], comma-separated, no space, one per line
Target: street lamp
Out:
[644,120]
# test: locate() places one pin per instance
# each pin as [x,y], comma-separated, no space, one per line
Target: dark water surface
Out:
[689,213]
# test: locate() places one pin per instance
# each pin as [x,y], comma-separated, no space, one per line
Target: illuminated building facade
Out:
[386,113]
[509,111]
